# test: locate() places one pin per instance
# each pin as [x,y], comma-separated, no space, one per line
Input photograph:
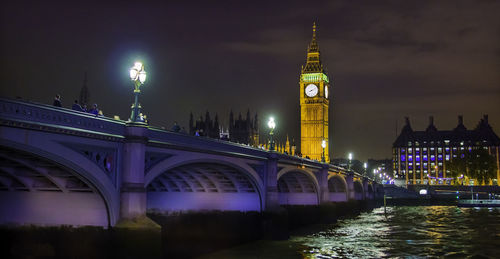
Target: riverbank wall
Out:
[182,235]
[192,234]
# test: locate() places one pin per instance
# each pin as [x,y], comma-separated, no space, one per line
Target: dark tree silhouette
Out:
[477,164]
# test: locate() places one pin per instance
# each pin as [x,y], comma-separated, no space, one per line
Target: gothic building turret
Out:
[244,131]
[84,98]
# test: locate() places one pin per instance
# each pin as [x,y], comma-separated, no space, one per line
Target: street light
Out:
[271,124]
[138,76]
[365,166]
[323,145]
[350,158]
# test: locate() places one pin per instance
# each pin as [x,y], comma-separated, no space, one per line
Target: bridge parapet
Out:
[43,114]
[182,141]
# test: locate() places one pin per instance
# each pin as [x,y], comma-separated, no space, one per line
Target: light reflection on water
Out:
[404,232]
[435,231]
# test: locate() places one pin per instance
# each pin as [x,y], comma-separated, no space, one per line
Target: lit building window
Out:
[447,157]
[417,158]
[410,150]
[440,157]
[403,158]
[440,150]
[410,158]
[433,158]
[425,158]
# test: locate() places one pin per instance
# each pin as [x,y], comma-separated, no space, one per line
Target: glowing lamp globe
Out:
[271,124]
[142,76]
[137,72]
[133,74]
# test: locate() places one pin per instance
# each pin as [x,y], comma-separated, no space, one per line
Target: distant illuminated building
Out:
[421,157]
[243,131]
[314,102]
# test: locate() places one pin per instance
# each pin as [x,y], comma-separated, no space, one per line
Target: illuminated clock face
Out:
[311,90]
[326,91]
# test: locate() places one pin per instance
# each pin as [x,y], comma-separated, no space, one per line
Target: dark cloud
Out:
[388,59]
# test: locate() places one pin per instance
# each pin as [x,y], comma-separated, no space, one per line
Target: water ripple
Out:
[415,232]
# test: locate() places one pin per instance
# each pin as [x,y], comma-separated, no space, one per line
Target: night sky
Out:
[388,60]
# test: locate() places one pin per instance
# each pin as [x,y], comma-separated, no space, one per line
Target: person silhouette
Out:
[57,101]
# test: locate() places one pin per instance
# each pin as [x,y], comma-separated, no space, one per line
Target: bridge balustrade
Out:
[57,117]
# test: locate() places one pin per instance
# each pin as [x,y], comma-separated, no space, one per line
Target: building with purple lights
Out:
[422,157]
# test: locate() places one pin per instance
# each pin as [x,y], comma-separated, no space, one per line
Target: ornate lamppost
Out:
[350,159]
[323,145]
[271,124]
[138,76]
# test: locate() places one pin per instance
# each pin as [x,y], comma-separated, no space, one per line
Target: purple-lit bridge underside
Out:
[59,166]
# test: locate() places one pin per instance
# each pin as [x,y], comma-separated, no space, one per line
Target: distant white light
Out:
[142,76]
[271,124]
[423,192]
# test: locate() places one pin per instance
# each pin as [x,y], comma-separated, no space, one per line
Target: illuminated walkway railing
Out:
[48,115]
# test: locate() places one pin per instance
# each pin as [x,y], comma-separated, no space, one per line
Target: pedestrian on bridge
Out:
[57,101]
[77,106]
[94,110]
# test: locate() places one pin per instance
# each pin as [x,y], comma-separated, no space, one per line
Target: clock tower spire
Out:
[314,87]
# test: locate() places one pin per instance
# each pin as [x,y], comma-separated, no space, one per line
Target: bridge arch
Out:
[358,190]
[370,192]
[44,187]
[297,186]
[187,182]
[337,188]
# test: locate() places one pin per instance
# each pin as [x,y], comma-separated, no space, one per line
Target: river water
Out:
[403,232]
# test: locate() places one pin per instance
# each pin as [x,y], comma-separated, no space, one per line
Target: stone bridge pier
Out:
[133,200]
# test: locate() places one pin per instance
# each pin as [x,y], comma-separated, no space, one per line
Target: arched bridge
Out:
[59,166]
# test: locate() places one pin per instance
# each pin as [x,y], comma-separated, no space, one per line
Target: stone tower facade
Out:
[314,103]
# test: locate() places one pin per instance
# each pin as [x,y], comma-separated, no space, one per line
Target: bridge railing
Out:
[181,140]
[22,111]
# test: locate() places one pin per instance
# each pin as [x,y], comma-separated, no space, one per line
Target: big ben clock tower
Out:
[314,103]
